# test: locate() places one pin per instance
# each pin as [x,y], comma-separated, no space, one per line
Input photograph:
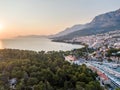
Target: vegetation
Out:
[113,52]
[44,71]
[117,88]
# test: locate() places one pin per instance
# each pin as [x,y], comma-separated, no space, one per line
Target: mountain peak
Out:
[107,19]
[118,10]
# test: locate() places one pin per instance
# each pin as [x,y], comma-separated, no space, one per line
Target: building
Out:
[12,83]
[101,76]
[70,58]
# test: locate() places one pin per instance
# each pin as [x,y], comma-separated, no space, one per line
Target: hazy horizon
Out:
[45,17]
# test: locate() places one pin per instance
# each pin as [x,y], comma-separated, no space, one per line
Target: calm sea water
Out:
[36,44]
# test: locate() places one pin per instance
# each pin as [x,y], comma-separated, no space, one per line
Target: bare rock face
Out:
[107,19]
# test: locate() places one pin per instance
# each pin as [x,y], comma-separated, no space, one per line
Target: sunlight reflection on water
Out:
[36,44]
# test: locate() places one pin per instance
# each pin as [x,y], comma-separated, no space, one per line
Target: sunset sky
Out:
[45,17]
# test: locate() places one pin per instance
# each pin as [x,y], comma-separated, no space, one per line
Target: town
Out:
[104,60]
[109,39]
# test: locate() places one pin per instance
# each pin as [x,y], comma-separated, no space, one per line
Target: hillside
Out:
[100,24]
[70,30]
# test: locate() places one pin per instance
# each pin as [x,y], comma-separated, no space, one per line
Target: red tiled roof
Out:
[102,75]
[71,58]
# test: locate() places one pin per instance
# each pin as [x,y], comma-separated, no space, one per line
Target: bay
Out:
[36,44]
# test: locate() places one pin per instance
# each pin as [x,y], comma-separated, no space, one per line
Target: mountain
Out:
[100,24]
[69,30]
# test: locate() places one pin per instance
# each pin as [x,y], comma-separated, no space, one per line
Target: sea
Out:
[36,44]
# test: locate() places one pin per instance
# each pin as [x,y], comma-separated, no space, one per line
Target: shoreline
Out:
[38,44]
[74,43]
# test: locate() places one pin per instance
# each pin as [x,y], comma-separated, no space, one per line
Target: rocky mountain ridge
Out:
[100,24]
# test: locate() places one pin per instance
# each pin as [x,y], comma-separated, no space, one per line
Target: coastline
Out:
[68,42]
[38,44]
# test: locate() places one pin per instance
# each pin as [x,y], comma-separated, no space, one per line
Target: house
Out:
[102,77]
[12,83]
[70,58]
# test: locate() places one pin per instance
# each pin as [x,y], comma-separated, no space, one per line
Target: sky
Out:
[46,17]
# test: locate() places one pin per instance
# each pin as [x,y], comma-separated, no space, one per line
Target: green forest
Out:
[44,71]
